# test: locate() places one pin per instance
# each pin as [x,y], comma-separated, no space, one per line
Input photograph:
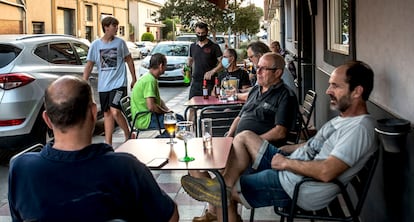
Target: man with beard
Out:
[260,174]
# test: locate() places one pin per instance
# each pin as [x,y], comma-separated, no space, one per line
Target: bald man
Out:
[72,179]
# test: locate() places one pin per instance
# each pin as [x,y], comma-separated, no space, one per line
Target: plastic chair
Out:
[126,110]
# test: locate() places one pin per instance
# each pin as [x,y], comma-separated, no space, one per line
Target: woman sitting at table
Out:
[229,62]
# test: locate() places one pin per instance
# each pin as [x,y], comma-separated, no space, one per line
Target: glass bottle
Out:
[205,90]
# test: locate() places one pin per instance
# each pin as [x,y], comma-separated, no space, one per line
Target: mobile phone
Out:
[157,163]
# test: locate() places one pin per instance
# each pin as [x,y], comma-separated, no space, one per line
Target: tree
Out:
[246,20]
[170,28]
[192,11]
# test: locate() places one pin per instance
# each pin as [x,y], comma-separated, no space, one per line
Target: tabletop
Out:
[211,101]
[148,149]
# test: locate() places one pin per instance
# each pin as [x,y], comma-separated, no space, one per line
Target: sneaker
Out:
[207,217]
[204,189]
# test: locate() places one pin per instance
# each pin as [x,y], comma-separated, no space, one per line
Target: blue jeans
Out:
[154,125]
[261,187]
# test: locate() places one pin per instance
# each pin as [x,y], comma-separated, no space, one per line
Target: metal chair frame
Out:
[306,111]
[126,110]
[34,148]
[222,116]
[335,211]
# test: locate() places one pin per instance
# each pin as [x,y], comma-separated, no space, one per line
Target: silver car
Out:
[177,53]
[28,63]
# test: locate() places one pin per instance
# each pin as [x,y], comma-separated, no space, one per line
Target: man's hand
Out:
[209,74]
[279,162]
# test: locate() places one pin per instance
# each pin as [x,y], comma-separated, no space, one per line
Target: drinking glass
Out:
[170,122]
[185,131]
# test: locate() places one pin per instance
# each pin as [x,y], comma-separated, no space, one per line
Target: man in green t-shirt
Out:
[146,95]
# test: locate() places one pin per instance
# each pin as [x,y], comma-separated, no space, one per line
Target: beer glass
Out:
[185,131]
[169,123]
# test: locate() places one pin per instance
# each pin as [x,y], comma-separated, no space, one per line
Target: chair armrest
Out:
[304,180]
[137,115]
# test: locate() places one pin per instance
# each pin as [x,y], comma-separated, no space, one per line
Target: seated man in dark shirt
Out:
[72,179]
[271,108]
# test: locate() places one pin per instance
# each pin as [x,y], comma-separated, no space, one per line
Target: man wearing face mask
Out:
[204,58]
[229,63]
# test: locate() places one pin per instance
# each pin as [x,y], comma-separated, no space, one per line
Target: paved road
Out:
[167,92]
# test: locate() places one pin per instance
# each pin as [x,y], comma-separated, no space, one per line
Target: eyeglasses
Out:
[250,57]
[258,68]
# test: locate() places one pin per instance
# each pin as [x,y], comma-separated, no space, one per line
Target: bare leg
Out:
[245,148]
[203,174]
[108,126]
[120,120]
[232,212]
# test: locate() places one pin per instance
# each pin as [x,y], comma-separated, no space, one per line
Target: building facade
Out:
[80,18]
[141,17]
[322,34]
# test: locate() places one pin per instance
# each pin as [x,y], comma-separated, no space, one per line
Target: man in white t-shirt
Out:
[109,54]
[259,174]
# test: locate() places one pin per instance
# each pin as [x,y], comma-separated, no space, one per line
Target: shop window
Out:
[339,31]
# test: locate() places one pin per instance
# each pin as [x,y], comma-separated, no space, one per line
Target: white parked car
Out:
[177,53]
[134,50]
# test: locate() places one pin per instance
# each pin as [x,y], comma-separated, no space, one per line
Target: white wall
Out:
[384,40]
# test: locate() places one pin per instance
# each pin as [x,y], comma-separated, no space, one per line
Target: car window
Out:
[7,54]
[58,53]
[82,51]
[219,40]
[171,50]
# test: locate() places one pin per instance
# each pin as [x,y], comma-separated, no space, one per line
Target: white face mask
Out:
[225,62]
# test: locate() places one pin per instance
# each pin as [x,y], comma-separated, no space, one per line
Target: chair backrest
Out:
[307,107]
[222,116]
[362,181]
[293,135]
[34,148]
[126,109]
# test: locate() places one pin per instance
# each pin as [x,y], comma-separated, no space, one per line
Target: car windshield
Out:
[187,38]
[171,50]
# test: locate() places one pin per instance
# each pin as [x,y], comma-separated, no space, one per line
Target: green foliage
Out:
[192,11]
[246,19]
[131,29]
[147,36]
[241,55]
[170,28]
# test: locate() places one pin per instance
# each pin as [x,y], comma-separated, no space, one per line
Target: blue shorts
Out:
[260,185]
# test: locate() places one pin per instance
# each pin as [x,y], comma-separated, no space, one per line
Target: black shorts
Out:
[112,98]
